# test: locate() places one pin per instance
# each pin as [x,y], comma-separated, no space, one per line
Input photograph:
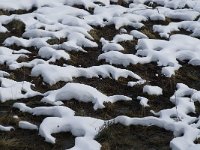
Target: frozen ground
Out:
[100,74]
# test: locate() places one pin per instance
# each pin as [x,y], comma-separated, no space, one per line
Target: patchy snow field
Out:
[72,72]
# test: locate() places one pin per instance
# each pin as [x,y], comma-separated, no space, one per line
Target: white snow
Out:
[29,64]
[138,34]
[6,128]
[143,101]
[192,26]
[12,90]
[118,58]
[52,74]
[36,42]
[4,74]
[183,125]
[152,90]
[9,57]
[85,128]
[15,117]
[56,111]
[110,46]
[27,125]
[52,55]
[122,37]
[154,50]
[81,92]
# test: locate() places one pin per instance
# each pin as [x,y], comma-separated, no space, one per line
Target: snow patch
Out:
[81,92]
[152,90]
[27,125]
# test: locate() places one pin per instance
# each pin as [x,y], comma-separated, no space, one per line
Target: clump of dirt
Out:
[83,59]
[181,31]
[4,36]
[189,75]
[19,11]
[16,27]
[107,32]
[121,2]
[56,41]
[153,5]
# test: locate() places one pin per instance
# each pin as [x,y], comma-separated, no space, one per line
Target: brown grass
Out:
[6,143]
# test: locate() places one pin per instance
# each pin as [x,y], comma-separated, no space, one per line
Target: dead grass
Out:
[16,28]
[6,143]
[19,11]
[118,137]
[4,36]
[129,46]
[8,120]
[148,33]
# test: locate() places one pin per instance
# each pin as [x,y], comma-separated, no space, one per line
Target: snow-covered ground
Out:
[104,52]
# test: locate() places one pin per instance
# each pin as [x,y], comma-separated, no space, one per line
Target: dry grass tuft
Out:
[6,143]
